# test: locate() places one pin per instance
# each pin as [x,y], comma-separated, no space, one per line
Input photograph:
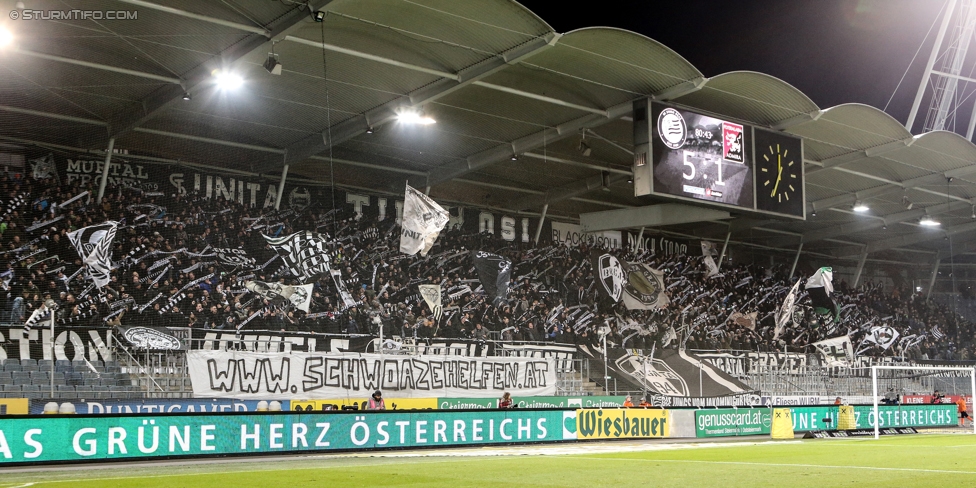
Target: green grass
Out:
[921,460]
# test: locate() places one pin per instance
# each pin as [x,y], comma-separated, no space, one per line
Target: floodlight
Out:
[318,15]
[928,222]
[860,207]
[6,37]
[411,117]
[186,95]
[226,80]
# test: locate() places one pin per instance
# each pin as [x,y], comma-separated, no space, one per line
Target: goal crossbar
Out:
[874,387]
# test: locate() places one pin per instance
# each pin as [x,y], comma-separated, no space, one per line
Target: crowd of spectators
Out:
[552,295]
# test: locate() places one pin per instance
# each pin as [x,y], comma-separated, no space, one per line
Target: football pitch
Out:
[911,460]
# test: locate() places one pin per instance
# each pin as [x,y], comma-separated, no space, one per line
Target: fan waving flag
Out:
[94,245]
[644,287]
[432,295]
[38,316]
[423,220]
[785,312]
[708,250]
[494,272]
[820,286]
[304,253]
[609,274]
[300,296]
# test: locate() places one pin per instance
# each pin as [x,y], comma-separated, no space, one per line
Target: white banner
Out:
[295,375]
[572,235]
[299,295]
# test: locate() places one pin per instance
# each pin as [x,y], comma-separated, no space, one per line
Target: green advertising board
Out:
[812,418]
[725,422]
[733,422]
[82,438]
[535,402]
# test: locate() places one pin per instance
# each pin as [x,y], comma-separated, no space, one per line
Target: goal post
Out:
[874,386]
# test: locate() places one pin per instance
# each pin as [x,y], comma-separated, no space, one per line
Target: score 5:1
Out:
[691,167]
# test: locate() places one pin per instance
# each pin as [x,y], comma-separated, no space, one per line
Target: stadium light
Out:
[860,207]
[6,37]
[226,80]
[412,117]
[928,222]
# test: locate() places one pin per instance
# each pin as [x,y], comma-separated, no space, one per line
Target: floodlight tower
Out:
[944,71]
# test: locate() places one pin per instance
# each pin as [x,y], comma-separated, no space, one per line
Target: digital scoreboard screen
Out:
[701,157]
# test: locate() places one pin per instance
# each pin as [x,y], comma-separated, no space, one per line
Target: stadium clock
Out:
[779,173]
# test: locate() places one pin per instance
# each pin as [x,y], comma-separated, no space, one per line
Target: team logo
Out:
[732,142]
[611,276]
[299,198]
[671,128]
[150,339]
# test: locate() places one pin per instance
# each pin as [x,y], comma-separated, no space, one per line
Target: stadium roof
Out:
[511,97]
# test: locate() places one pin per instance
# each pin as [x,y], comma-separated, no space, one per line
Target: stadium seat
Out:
[11,366]
[44,364]
[21,377]
[74,378]
[29,367]
[28,362]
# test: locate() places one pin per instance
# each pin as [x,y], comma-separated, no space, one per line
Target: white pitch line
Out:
[779,465]
[208,473]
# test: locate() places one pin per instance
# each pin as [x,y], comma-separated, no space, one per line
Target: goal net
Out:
[900,385]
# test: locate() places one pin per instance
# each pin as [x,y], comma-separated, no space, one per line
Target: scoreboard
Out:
[690,155]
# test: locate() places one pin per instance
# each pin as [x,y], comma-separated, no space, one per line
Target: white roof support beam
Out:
[649,216]
[204,18]
[859,155]
[100,66]
[138,113]
[569,162]
[567,191]
[877,223]
[923,235]
[449,82]
[910,184]
[798,120]
[527,143]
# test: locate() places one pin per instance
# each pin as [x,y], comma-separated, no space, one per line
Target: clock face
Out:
[779,173]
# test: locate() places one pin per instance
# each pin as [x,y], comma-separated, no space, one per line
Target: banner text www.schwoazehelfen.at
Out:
[296,376]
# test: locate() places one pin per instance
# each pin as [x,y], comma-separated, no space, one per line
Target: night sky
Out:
[835,51]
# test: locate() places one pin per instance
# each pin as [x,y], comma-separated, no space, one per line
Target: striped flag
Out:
[38,316]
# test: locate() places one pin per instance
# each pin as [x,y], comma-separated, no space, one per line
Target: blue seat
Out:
[10,366]
[28,362]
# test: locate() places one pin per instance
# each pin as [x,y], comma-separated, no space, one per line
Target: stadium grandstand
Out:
[252,204]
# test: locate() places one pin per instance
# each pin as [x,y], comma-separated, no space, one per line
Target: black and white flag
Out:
[494,272]
[644,288]
[432,295]
[43,167]
[305,253]
[300,296]
[819,287]
[423,219]
[233,257]
[39,315]
[708,250]
[785,313]
[609,274]
[936,333]
[883,336]
[94,245]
